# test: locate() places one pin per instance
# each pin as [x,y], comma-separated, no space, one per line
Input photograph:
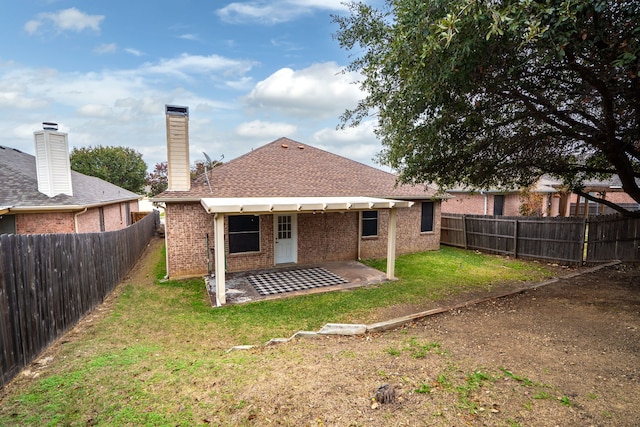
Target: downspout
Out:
[359,234]
[75,219]
[486,201]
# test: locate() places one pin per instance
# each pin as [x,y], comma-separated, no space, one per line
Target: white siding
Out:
[53,167]
[178,152]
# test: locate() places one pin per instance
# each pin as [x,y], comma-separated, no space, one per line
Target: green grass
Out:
[150,360]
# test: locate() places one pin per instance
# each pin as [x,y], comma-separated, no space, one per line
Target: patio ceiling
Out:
[258,205]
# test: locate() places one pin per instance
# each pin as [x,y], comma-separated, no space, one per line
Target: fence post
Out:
[515,238]
[584,239]
[464,230]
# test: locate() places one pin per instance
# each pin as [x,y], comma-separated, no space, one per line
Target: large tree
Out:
[121,166]
[158,179]
[497,93]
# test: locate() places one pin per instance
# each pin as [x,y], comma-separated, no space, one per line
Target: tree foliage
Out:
[496,94]
[121,166]
[158,179]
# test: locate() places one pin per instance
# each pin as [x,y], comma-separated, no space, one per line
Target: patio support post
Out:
[391,244]
[219,254]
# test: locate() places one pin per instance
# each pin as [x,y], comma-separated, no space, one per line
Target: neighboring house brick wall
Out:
[474,204]
[44,223]
[65,222]
[89,221]
[466,204]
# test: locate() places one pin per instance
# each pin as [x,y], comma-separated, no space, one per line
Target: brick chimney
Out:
[178,148]
[53,166]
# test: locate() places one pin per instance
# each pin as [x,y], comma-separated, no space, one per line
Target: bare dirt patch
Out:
[566,354]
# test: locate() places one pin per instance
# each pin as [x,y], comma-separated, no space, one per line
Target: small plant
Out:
[475,379]
[542,395]
[444,381]
[520,379]
[514,423]
[424,388]
[393,351]
[419,351]
[593,396]
[565,401]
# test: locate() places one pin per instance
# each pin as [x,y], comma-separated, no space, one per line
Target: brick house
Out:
[287,203]
[547,197]
[41,194]
[499,202]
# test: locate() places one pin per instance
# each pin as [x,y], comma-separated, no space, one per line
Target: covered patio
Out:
[221,207]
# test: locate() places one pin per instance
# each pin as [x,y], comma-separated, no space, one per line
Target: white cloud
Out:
[94,110]
[185,65]
[274,12]
[106,48]
[65,20]
[124,107]
[132,51]
[193,37]
[358,143]
[321,90]
[265,131]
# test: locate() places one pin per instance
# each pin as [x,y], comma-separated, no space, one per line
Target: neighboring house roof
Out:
[287,168]
[19,186]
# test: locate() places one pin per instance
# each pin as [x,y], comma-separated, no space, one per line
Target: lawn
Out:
[156,352]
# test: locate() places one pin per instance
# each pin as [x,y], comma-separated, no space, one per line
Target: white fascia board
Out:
[256,205]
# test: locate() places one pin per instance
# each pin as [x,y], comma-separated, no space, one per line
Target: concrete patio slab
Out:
[239,289]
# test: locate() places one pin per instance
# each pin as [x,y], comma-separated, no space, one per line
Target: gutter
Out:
[64,208]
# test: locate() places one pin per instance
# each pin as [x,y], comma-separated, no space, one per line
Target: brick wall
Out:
[322,237]
[252,260]
[408,236]
[186,228]
[474,204]
[115,218]
[44,223]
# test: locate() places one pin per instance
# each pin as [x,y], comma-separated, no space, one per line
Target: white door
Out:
[286,230]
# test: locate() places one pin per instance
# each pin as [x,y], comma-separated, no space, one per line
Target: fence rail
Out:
[555,239]
[48,282]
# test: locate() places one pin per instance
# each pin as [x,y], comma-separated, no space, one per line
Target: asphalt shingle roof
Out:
[287,168]
[19,185]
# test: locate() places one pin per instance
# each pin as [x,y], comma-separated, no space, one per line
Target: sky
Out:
[249,71]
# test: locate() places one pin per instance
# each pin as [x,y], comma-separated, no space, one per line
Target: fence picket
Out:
[608,237]
[49,282]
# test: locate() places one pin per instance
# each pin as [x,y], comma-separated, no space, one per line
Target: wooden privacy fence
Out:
[613,237]
[48,282]
[548,238]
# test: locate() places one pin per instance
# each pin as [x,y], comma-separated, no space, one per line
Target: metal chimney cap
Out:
[49,126]
[176,110]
